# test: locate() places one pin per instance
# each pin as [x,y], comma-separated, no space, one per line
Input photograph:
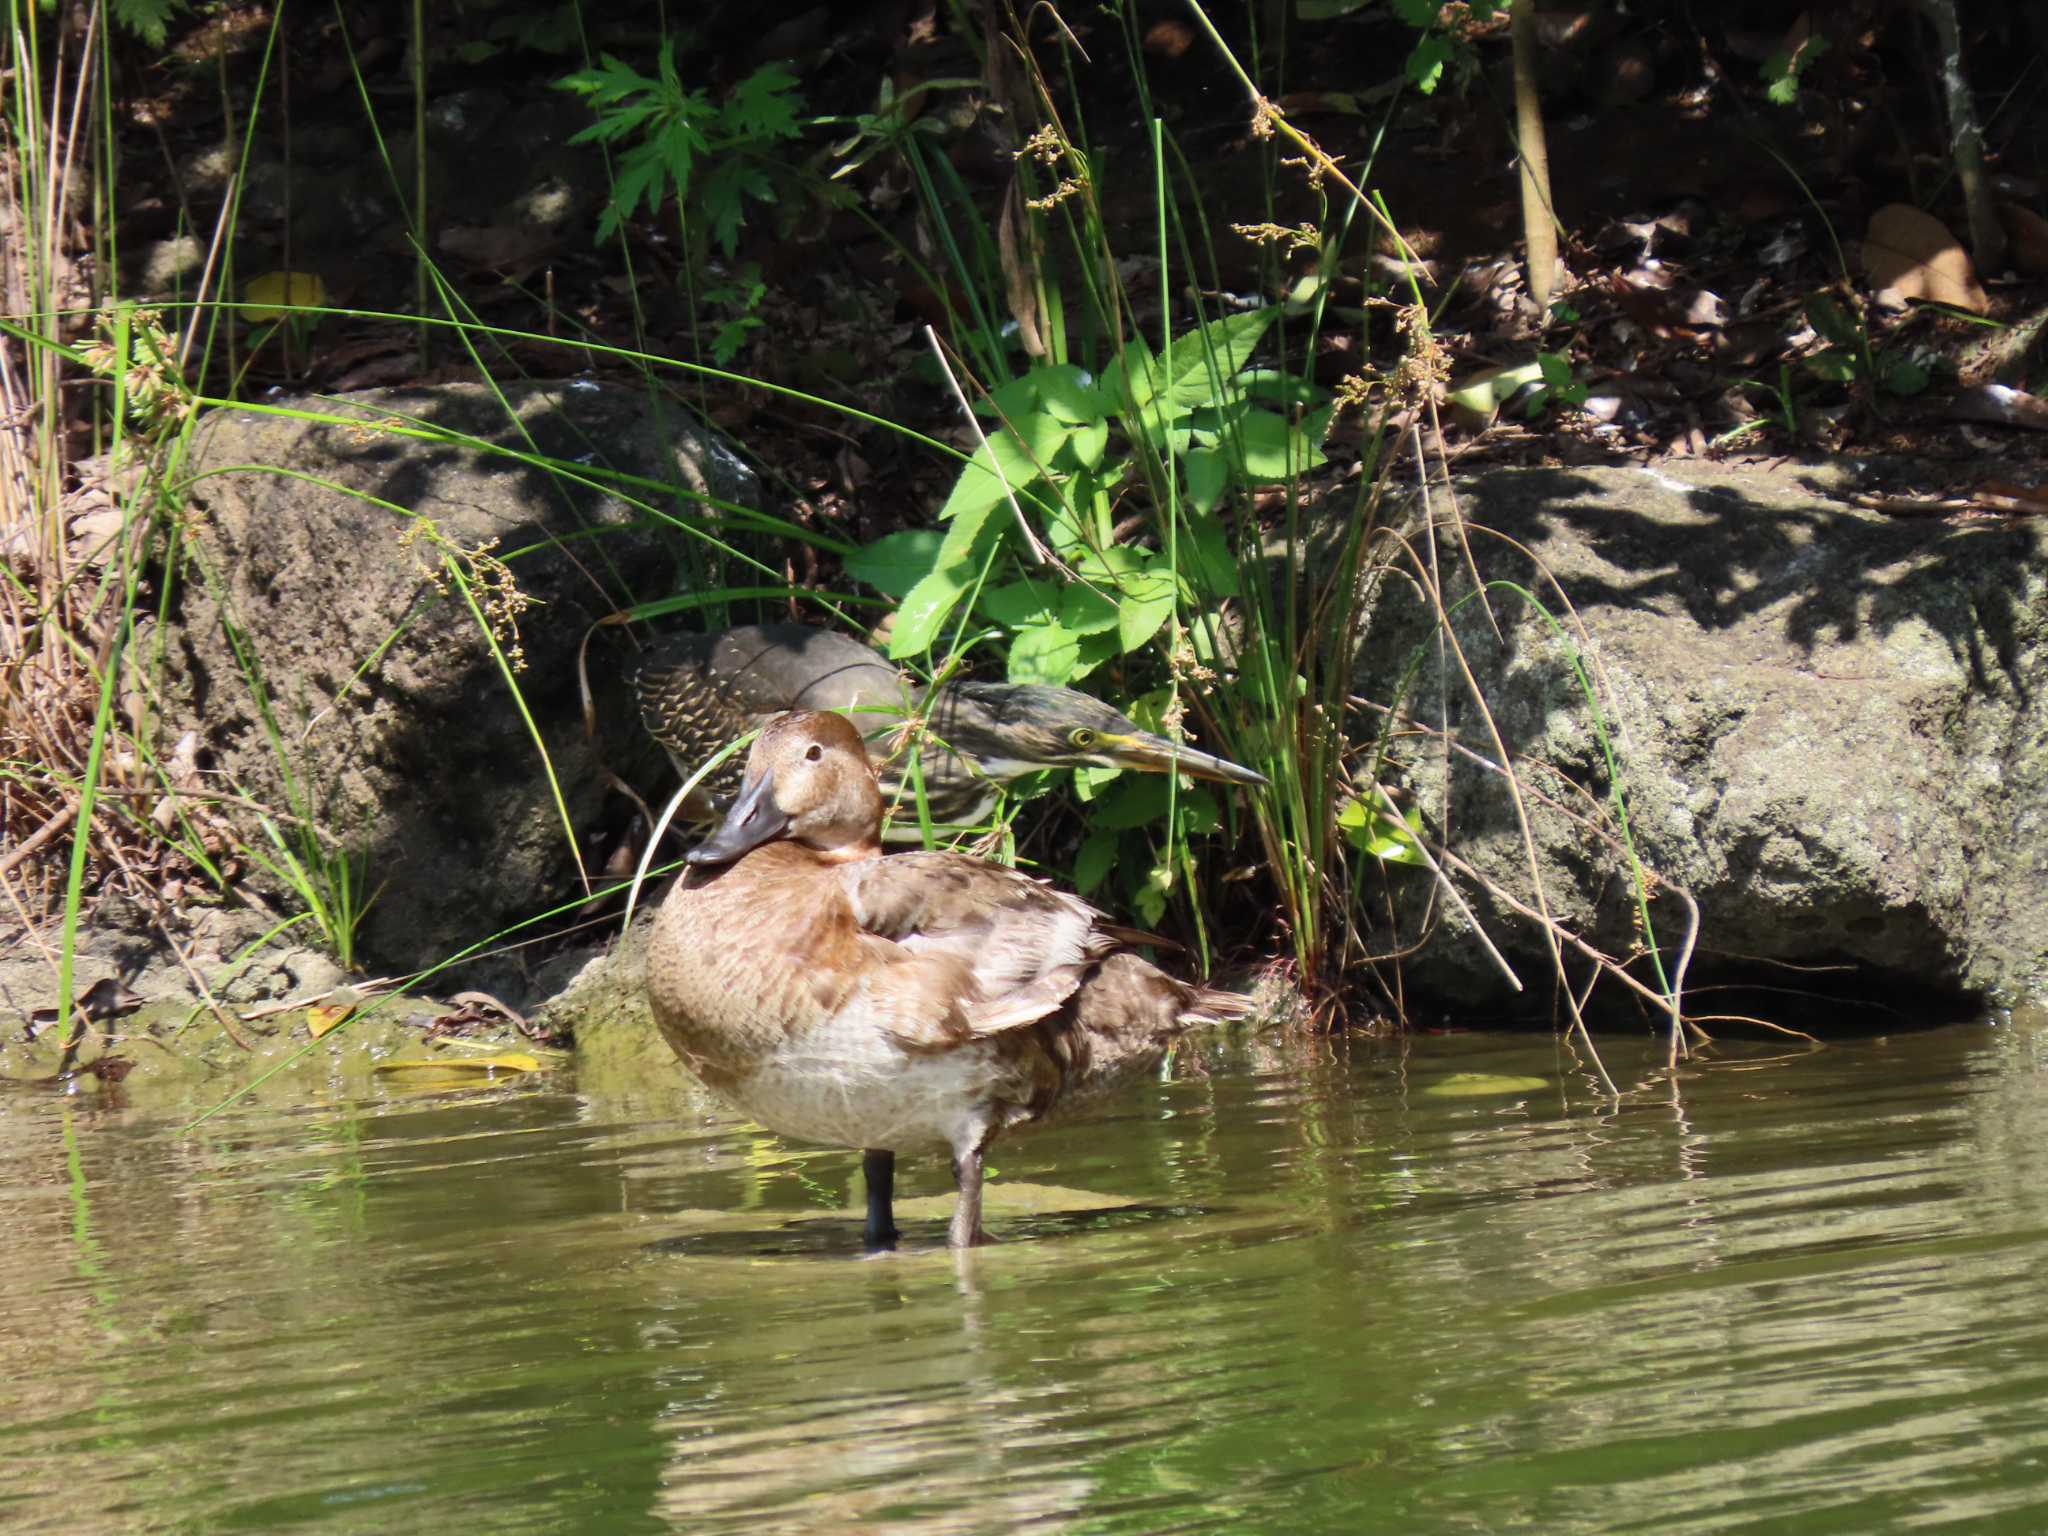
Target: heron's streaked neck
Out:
[1004,769]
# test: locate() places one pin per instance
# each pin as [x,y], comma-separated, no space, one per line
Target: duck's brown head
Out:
[808,780]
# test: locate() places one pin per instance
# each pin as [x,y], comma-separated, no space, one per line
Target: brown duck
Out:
[892,1003]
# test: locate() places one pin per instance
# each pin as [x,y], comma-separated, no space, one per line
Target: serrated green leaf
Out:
[1044,653]
[1086,611]
[1018,603]
[1274,448]
[764,105]
[147,19]
[1145,602]
[1136,582]
[1085,447]
[1208,472]
[1011,399]
[1227,344]
[1041,435]
[1425,66]
[1198,813]
[1206,558]
[926,606]
[1132,377]
[980,486]
[1068,393]
[1149,903]
[1213,424]
[1138,801]
[1276,386]
[1095,858]
[896,562]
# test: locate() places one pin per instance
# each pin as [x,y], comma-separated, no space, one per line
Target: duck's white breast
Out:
[854,1087]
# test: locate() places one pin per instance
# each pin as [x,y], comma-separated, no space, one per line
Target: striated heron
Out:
[698,692]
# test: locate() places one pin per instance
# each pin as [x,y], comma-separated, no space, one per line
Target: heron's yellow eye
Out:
[1082,739]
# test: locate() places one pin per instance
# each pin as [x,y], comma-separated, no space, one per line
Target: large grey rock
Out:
[1829,725]
[389,720]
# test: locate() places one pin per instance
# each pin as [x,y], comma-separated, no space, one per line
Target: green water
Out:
[1297,1288]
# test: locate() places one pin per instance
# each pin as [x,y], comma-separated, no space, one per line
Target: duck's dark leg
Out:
[966,1229]
[878,1168]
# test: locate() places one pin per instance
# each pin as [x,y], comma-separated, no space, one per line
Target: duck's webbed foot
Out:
[878,1170]
[966,1230]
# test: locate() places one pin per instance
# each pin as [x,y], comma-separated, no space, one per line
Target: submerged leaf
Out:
[1476,1085]
[508,1061]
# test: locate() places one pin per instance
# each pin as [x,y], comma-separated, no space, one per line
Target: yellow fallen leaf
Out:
[279,293]
[319,1020]
[508,1061]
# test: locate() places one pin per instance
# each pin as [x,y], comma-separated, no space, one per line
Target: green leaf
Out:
[1837,365]
[1131,379]
[1903,376]
[1041,435]
[147,19]
[896,562]
[979,486]
[1138,800]
[1274,448]
[1205,557]
[1208,472]
[1486,391]
[1096,856]
[1044,653]
[1198,813]
[723,193]
[1087,443]
[1018,603]
[1145,602]
[1067,392]
[1229,341]
[1276,386]
[1827,318]
[1007,401]
[926,606]
[1425,66]
[1086,611]
[764,105]
[1149,903]
[1374,833]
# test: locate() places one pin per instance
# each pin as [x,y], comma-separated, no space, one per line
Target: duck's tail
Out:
[1214,1005]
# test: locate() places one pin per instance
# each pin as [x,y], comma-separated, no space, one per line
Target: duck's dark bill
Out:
[752,821]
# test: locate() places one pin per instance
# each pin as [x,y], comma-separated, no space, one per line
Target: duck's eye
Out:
[813,752]
[1082,739]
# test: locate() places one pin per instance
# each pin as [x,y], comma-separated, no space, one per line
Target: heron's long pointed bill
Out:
[1156,754]
[752,821]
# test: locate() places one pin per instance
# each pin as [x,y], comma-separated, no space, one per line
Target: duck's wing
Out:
[979,948]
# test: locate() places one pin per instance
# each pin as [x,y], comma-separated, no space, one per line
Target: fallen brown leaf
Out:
[1912,254]
[2026,234]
